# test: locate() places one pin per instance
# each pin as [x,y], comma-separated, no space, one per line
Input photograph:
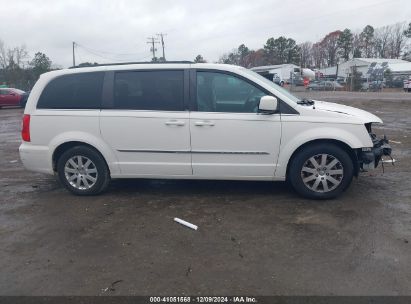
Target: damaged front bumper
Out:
[369,158]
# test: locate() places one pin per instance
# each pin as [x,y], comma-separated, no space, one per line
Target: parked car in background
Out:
[278,80]
[325,86]
[13,97]
[341,81]
[373,86]
[407,85]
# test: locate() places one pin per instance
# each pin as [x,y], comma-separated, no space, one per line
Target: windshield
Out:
[273,85]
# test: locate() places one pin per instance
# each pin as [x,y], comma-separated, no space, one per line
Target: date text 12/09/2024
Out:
[204,299]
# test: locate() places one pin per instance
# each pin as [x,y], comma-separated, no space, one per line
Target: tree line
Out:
[338,46]
[18,70]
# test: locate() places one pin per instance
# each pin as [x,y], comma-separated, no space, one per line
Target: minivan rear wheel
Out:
[321,171]
[83,171]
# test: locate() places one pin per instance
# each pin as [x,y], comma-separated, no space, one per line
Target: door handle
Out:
[202,123]
[175,123]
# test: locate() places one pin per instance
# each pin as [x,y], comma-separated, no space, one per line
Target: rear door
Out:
[145,121]
[229,138]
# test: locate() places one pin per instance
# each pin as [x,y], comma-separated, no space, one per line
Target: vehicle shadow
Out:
[200,187]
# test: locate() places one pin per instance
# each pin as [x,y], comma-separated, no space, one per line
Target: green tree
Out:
[389,79]
[40,64]
[367,39]
[199,59]
[230,58]
[356,46]
[357,53]
[238,56]
[345,43]
[243,53]
[354,81]
[87,64]
[407,32]
[282,50]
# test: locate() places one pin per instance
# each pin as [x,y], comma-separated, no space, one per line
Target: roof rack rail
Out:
[126,63]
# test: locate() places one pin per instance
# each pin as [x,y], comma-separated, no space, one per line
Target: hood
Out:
[365,116]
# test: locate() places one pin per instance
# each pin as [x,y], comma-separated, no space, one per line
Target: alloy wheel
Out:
[81,172]
[322,173]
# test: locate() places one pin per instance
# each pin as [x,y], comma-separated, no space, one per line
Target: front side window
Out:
[218,92]
[4,92]
[73,91]
[149,90]
[272,85]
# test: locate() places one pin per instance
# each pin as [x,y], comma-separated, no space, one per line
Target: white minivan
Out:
[183,120]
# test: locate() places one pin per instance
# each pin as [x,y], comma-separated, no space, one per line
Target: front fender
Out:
[354,136]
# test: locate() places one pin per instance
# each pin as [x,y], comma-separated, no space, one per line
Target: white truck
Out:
[407,85]
[283,73]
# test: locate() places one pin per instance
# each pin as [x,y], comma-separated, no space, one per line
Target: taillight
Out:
[25,130]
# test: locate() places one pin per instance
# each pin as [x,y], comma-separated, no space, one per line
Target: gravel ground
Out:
[254,238]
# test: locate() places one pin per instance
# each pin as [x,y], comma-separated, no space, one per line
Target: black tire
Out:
[102,176]
[301,159]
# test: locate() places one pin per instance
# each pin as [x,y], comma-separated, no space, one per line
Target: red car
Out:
[12,97]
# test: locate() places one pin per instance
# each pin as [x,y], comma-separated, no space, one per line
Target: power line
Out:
[106,55]
[98,55]
[111,53]
[109,58]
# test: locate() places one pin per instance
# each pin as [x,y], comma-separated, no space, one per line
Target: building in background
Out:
[371,69]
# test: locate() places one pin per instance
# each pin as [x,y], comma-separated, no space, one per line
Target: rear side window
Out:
[75,91]
[149,90]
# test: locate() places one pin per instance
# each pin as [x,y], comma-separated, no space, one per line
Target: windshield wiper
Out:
[306,102]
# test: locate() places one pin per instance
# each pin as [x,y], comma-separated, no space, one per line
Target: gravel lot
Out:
[254,238]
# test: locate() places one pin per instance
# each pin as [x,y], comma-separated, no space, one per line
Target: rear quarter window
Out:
[73,91]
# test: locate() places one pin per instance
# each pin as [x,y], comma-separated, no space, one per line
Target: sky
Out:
[117,30]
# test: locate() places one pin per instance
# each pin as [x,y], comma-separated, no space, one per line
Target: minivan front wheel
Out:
[83,171]
[321,171]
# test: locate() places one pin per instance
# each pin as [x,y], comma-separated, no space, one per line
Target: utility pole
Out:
[161,35]
[74,57]
[152,41]
[353,70]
